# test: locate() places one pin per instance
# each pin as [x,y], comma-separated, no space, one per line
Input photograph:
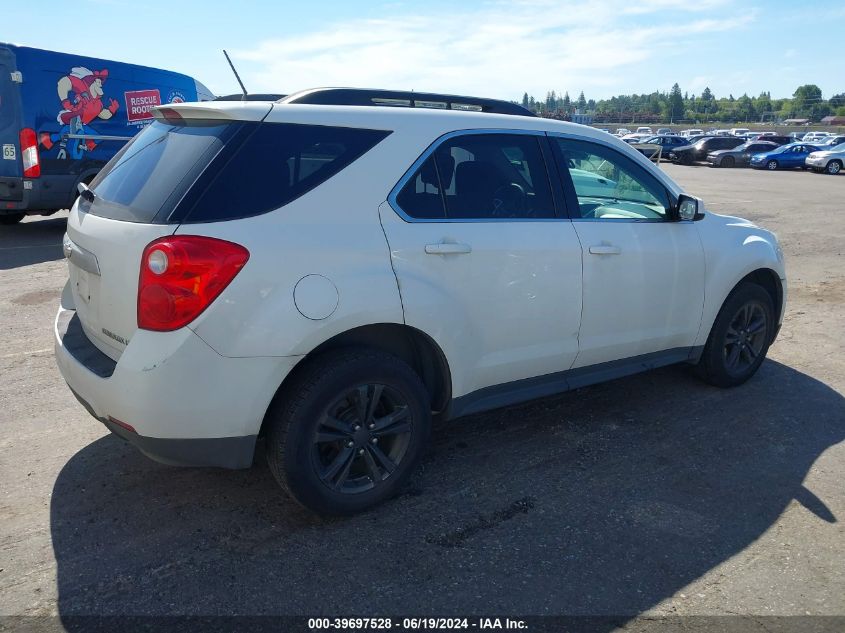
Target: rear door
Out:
[10,161]
[484,263]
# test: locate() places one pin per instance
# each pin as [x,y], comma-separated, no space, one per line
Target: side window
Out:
[608,185]
[421,197]
[486,176]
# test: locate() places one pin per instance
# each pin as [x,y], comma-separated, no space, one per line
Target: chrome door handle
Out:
[605,249]
[447,248]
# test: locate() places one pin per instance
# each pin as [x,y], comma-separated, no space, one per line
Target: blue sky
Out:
[492,48]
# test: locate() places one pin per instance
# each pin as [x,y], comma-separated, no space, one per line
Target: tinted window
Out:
[608,185]
[481,176]
[494,176]
[202,171]
[153,168]
[275,164]
[420,197]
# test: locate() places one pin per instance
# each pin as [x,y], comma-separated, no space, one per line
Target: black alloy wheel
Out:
[362,438]
[347,430]
[740,337]
[745,338]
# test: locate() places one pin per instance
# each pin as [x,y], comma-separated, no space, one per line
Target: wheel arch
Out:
[763,276]
[411,345]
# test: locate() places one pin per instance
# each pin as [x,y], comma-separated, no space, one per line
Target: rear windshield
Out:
[155,168]
[204,171]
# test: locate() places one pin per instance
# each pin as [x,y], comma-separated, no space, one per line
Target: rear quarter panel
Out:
[332,231]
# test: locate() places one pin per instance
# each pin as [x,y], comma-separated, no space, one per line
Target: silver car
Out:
[829,160]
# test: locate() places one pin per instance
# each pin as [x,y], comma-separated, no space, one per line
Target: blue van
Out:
[62,117]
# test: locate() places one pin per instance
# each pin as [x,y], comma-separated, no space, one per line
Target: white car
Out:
[739,131]
[829,161]
[810,137]
[692,132]
[329,278]
[644,129]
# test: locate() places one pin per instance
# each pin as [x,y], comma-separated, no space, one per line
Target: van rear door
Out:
[11,185]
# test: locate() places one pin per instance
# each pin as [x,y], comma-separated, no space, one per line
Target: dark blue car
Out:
[784,157]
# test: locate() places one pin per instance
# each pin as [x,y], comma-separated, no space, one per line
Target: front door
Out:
[484,264]
[643,279]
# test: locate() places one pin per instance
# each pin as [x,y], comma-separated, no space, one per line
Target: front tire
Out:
[728,161]
[349,431]
[740,338]
[833,167]
[772,165]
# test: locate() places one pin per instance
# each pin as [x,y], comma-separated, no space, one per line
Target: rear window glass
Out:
[204,171]
[275,164]
[155,168]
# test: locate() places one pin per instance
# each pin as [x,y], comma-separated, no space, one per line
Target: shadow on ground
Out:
[33,241]
[602,501]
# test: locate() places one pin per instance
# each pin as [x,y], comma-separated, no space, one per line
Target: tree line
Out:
[806,102]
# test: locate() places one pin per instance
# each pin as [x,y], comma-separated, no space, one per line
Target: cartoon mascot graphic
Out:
[81,94]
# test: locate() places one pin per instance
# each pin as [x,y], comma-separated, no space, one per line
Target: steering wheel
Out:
[509,200]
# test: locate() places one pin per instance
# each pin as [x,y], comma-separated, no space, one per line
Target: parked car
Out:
[811,137]
[644,129]
[700,149]
[330,278]
[828,160]
[831,141]
[740,131]
[646,146]
[784,157]
[635,138]
[64,116]
[692,132]
[622,131]
[777,139]
[739,156]
[664,131]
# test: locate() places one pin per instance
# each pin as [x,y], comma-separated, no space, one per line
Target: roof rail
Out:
[250,97]
[404,99]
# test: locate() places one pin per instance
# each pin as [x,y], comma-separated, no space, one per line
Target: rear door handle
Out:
[605,249]
[447,248]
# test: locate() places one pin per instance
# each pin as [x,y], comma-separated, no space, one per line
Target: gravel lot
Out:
[653,495]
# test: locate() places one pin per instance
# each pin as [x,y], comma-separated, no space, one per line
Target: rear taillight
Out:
[181,275]
[29,153]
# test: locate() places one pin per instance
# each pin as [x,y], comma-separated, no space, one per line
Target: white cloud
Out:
[498,50]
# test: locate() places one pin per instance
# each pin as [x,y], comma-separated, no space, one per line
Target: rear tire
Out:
[11,218]
[349,431]
[740,337]
[833,167]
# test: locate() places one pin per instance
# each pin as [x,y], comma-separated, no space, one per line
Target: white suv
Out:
[331,277]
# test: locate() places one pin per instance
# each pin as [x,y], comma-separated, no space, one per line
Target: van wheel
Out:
[11,218]
[740,337]
[349,431]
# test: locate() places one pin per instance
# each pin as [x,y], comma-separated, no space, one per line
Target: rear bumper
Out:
[46,194]
[224,452]
[187,404]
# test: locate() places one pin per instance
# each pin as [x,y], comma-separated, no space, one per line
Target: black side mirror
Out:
[689,208]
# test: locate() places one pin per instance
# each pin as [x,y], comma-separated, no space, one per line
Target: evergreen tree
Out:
[582,102]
